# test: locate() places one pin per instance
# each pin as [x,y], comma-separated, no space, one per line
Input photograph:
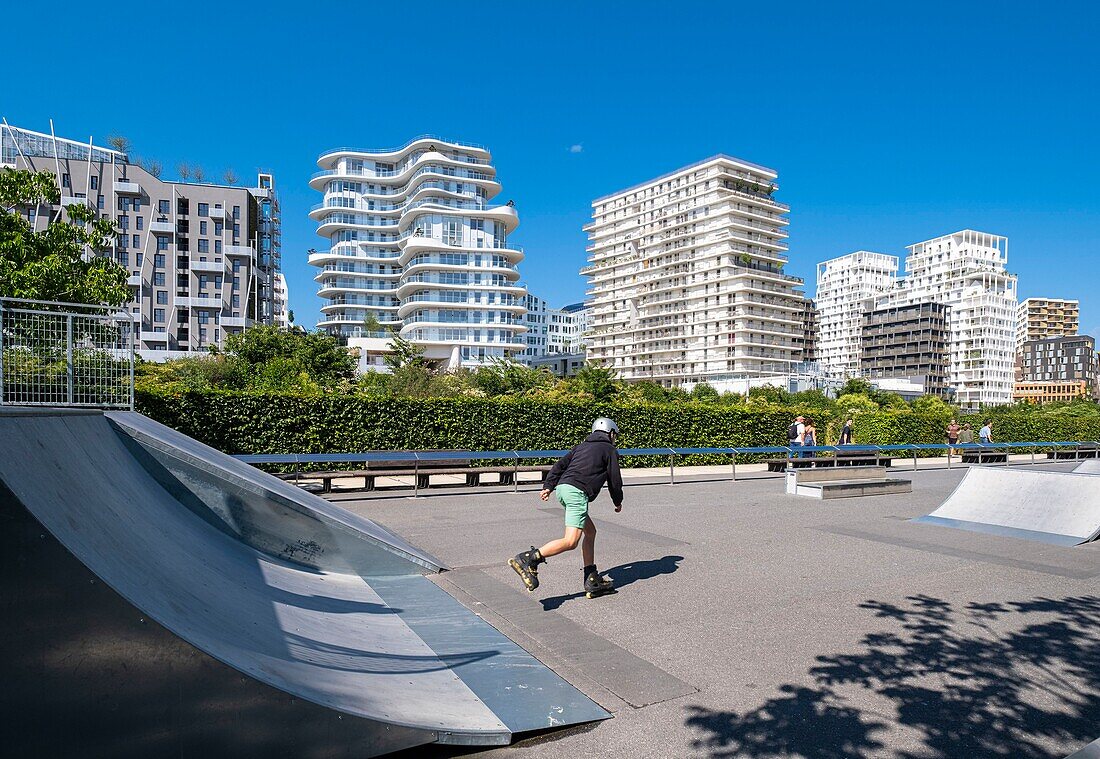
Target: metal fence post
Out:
[672,469]
[416,474]
[733,466]
[914,459]
[2,395]
[949,457]
[515,474]
[69,355]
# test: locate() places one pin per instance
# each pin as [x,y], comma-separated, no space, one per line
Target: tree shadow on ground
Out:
[1018,679]
[624,575]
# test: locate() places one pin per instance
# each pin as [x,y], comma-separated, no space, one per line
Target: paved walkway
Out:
[750,623]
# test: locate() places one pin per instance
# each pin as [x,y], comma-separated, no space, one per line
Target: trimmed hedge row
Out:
[264,423]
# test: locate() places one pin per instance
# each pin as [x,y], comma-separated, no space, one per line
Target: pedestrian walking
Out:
[795,435]
[846,433]
[809,437]
[576,480]
[985,434]
[953,430]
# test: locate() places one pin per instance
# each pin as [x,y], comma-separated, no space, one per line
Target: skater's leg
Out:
[588,543]
[566,543]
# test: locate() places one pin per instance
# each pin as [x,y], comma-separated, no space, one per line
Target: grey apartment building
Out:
[202,257]
[906,342]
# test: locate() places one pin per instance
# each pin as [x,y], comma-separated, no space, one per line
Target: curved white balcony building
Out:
[414,242]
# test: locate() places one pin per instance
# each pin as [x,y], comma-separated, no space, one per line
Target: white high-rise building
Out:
[1043,318]
[537,319]
[567,327]
[686,277]
[415,245]
[843,284]
[967,272]
[281,294]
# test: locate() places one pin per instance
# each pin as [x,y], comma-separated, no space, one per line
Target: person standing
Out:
[576,480]
[985,434]
[966,435]
[795,434]
[809,437]
[846,433]
[952,435]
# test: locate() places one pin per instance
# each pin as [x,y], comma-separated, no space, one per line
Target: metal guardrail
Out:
[417,456]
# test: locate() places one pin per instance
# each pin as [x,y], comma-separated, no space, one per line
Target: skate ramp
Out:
[313,606]
[1062,508]
[1091,466]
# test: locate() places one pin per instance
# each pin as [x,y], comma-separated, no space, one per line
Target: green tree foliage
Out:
[595,382]
[704,393]
[58,261]
[855,403]
[768,395]
[503,377]
[856,386]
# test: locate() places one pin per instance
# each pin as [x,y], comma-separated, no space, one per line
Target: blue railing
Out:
[370,456]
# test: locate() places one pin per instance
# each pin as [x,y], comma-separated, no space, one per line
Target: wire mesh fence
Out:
[65,354]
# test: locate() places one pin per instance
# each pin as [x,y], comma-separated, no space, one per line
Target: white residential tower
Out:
[843,284]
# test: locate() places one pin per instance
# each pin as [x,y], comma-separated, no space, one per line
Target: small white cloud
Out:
[576,148]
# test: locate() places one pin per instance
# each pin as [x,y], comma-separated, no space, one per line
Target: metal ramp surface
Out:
[1089,466]
[1062,508]
[242,574]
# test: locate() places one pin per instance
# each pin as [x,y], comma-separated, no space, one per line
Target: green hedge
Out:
[264,423]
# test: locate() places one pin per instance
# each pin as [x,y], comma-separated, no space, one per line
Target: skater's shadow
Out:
[624,575]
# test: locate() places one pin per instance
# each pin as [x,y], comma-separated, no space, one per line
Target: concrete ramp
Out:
[177,598]
[1091,466]
[1062,508]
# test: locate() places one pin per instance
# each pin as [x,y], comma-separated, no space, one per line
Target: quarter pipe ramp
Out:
[1053,507]
[162,597]
[1091,466]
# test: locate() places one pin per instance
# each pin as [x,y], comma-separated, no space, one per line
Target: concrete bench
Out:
[984,457]
[841,460]
[844,482]
[507,475]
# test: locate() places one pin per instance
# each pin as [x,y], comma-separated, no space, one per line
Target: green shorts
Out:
[576,505]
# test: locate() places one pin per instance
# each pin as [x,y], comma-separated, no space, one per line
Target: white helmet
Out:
[603,424]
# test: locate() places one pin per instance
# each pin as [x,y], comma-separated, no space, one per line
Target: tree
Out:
[52,264]
[197,173]
[506,377]
[704,393]
[155,168]
[230,177]
[120,143]
[596,381]
[404,354]
[290,316]
[184,170]
[856,386]
[854,403]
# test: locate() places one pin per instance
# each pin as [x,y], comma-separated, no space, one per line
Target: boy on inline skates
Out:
[576,480]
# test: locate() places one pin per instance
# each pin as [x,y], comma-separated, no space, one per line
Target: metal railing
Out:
[1091,447]
[65,354]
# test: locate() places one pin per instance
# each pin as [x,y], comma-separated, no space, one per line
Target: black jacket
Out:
[587,466]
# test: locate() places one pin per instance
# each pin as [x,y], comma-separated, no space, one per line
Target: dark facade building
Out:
[1057,369]
[809,331]
[906,342]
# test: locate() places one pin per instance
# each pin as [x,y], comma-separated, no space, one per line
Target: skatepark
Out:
[163,594]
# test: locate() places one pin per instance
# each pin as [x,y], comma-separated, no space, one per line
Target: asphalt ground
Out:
[750,623]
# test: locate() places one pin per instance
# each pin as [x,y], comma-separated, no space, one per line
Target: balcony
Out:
[238,250]
[69,200]
[214,266]
[154,337]
[134,280]
[217,214]
[185,302]
[127,188]
[162,226]
[236,321]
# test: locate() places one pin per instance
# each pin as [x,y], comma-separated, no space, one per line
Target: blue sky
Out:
[888,123]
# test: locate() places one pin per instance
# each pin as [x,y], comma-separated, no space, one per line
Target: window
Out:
[202,333]
[236,265]
[136,241]
[204,246]
[218,226]
[204,209]
[162,297]
[123,222]
[158,261]
[236,302]
[236,213]
[140,222]
[218,281]
[183,206]
[158,279]
[140,259]
[236,283]
[65,180]
[99,203]
[162,242]
[202,224]
[158,315]
[217,246]
[124,258]
[94,182]
[137,204]
[203,281]
[236,230]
